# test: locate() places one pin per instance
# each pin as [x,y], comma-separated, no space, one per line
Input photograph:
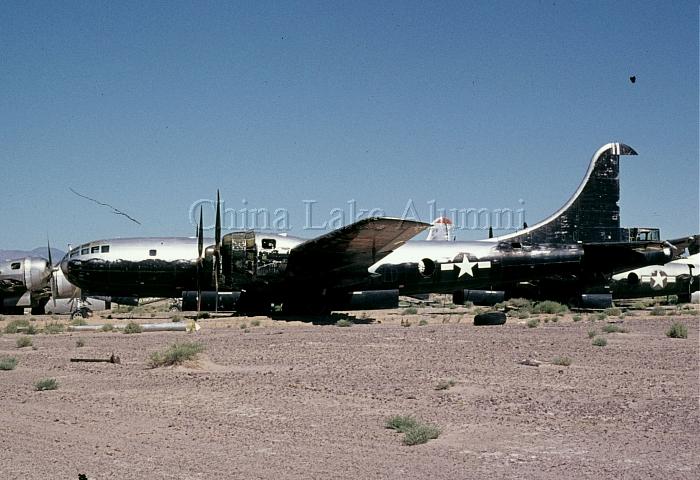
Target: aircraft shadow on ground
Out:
[331,319]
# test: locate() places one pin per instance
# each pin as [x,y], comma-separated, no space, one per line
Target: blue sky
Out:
[151,106]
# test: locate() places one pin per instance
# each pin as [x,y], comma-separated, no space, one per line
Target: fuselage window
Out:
[74,252]
[152,253]
[95,250]
[15,266]
[84,251]
[268,243]
[105,248]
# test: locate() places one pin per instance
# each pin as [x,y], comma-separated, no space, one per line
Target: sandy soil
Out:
[297,400]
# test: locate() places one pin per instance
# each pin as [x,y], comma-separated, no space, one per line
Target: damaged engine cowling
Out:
[342,301]
[596,300]
[227,301]
[485,298]
[366,300]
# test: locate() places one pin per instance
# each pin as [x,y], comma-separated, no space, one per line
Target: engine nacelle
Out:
[485,298]
[596,300]
[368,300]
[227,301]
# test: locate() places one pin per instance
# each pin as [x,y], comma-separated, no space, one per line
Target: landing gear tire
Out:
[490,318]
[80,313]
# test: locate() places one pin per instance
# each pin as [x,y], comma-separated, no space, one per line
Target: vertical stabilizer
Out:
[441,230]
[592,214]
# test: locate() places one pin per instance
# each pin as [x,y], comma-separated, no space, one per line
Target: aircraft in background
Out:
[680,277]
[368,264]
[30,282]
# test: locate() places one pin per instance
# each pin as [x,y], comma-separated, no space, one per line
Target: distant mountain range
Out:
[56,254]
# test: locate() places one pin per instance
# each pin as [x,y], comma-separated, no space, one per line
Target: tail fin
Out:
[592,214]
[441,230]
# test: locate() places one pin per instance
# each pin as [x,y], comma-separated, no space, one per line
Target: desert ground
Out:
[289,399]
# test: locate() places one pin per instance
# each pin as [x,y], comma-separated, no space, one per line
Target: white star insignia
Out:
[465,267]
[658,280]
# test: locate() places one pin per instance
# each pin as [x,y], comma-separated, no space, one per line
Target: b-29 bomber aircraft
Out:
[368,264]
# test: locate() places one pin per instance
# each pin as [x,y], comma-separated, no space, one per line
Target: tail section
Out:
[592,214]
[441,230]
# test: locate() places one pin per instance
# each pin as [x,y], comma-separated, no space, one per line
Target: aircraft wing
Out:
[346,253]
[691,243]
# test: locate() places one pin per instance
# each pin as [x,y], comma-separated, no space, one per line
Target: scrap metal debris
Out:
[530,362]
[115,211]
[112,359]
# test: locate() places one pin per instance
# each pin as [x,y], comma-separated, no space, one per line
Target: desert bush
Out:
[592,333]
[410,311]
[673,299]
[533,322]
[549,307]
[107,327]
[445,384]
[133,327]
[613,312]
[657,311]
[255,323]
[46,384]
[401,423]
[519,303]
[8,363]
[677,330]
[80,342]
[343,322]
[407,323]
[15,325]
[523,314]
[563,361]
[203,315]
[555,318]
[176,318]
[546,319]
[176,354]
[600,341]
[52,328]
[243,326]
[599,316]
[421,434]
[576,318]
[612,328]
[78,321]
[423,322]
[24,342]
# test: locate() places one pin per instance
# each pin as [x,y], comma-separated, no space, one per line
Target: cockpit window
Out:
[95,250]
[84,251]
[268,243]
[105,248]
[152,253]
[15,266]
